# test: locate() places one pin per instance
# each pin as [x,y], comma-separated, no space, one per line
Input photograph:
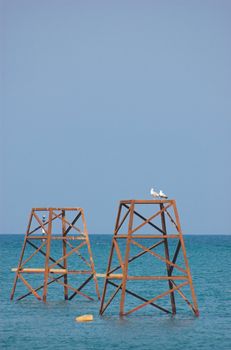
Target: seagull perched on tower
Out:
[154,194]
[162,195]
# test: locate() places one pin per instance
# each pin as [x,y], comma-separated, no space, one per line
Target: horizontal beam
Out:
[146,278]
[42,270]
[145,236]
[114,276]
[71,238]
[151,201]
[45,209]
[141,278]
[101,275]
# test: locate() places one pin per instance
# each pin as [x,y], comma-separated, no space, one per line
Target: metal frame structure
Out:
[56,270]
[160,236]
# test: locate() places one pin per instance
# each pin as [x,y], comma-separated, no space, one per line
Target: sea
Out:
[32,324]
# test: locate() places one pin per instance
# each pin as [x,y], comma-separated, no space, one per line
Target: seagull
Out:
[43,221]
[43,231]
[154,194]
[162,195]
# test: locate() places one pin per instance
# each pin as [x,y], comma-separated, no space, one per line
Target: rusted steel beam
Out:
[171,219]
[39,227]
[70,238]
[43,253]
[126,258]
[119,255]
[138,255]
[64,257]
[123,220]
[29,287]
[73,289]
[158,256]
[81,287]
[110,258]
[145,219]
[38,288]
[56,266]
[115,276]
[147,236]
[47,209]
[21,256]
[195,305]
[78,253]
[90,255]
[144,201]
[64,233]
[149,278]
[48,248]
[131,238]
[156,298]
[41,223]
[55,271]
[72,223]
[149,219]
[183,296]
[145,278]
[175,256]
[111,298]
[168,267]
[33,254]
[141,298]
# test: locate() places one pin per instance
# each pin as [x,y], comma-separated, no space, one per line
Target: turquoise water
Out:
[30,324]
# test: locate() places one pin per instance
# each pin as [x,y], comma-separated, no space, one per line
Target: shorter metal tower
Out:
[51,252]
[163,252]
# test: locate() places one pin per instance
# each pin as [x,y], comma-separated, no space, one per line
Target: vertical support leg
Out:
[110,261]
[64,254]
[48,245]
[127,251]
[21,256]
[168,267]
[195,305]
[90,254]
[105,281]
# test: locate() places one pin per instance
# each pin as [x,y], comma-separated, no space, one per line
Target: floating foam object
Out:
[84,318]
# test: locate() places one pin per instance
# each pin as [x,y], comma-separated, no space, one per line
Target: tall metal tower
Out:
[56,250]
[148,236]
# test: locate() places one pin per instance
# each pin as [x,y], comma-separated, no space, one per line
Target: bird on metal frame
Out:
[154,194]
[162,195]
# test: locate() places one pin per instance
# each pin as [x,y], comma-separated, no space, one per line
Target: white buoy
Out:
[84,318]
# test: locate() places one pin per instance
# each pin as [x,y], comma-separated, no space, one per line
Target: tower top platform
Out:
[54,208]
[146,201]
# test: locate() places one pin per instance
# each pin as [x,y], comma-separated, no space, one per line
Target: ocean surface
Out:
[31,324]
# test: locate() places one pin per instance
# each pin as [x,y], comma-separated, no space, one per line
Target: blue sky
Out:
[101,100]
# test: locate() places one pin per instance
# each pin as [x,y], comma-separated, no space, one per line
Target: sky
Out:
[102,100]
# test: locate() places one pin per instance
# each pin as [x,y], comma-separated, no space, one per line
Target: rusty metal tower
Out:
[53,252]
[133,229]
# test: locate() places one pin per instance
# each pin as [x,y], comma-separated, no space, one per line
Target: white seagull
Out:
[154,194]
[162,195]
